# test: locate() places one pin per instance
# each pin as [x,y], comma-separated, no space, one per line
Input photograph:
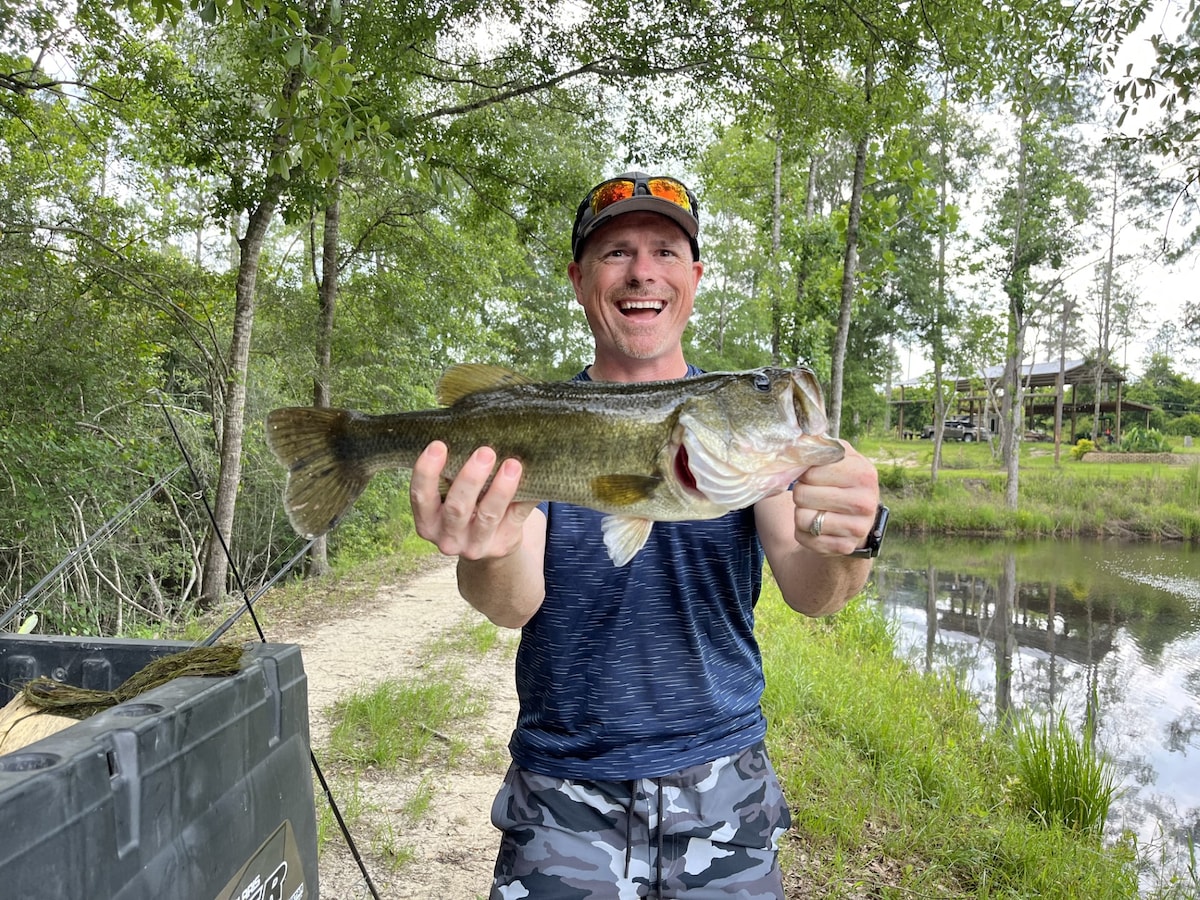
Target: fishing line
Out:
[284,569]
[248,606]
[102,533]
[212,518]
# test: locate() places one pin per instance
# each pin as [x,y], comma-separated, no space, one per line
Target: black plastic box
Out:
[199,789]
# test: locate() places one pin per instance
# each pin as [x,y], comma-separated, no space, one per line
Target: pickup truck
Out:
[959,429]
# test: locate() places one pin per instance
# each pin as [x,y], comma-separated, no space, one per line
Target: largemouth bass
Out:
[642,452]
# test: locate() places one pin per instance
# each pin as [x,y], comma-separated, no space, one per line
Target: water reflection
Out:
[1102,630]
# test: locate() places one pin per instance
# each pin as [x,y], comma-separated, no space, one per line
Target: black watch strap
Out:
[875,537]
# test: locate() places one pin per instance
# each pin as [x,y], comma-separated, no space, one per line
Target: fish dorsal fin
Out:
[624,490]
[624,537]
[469,378]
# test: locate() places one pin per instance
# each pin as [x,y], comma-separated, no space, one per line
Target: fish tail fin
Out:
[322,482]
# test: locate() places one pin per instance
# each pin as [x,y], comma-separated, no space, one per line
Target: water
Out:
[1094,628]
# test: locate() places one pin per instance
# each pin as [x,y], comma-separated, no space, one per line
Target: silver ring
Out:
[817,523]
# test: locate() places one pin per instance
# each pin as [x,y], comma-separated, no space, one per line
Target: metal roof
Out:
[1045,374]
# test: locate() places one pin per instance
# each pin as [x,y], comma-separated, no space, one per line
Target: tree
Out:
[1173,130]
[1032,215]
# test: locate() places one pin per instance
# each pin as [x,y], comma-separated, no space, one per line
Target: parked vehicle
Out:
[959,428]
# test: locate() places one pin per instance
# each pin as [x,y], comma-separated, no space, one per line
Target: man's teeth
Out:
[642,304]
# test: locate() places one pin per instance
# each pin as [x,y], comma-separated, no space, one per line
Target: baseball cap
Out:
[631,192]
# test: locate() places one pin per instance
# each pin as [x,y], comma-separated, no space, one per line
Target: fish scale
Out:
[692,448]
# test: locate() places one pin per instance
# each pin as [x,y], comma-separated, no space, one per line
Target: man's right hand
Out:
[469,523]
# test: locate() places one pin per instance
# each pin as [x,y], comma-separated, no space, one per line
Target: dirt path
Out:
[448,851]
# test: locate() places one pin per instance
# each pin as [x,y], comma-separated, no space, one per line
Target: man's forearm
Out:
[820,585]
[510,589]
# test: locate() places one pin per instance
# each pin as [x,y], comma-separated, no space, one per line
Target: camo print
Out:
[601,840]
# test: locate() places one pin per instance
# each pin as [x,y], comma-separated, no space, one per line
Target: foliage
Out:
[1082,447]
[1187,424]
[1063,779]
[140,142]
[1143,440]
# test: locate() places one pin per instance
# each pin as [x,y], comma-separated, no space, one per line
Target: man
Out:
[638,761]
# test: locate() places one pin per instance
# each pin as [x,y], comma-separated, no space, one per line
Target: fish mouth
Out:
[807,405]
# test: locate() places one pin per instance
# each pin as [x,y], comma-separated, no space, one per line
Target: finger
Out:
[458,509]
[495,503]
[423,488]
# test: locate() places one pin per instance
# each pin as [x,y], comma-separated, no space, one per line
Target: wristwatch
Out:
[875,536]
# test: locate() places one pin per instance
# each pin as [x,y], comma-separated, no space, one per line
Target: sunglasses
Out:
[615,190]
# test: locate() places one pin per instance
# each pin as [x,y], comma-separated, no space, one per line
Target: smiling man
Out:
[639,768]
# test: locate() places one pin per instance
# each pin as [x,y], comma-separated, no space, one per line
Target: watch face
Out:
[875,537]
[879,528]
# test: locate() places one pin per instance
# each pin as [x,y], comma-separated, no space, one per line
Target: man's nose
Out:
[641,268]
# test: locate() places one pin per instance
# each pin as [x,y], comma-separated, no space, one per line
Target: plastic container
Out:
[198,789]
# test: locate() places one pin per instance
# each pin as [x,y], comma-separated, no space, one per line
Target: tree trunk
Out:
[1010,407]
[1058,382]
[776,240]
[939,343]
[1104,320]
[850,259]
[216,567]
[318,559]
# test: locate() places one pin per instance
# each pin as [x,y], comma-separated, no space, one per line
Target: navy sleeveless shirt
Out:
[646,669]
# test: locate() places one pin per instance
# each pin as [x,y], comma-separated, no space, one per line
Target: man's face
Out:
[636,282]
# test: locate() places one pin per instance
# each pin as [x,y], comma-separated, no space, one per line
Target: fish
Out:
[641,452]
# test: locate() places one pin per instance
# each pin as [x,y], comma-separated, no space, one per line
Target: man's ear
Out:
[575,273]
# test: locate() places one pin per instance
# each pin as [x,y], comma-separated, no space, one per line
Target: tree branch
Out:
[611,67]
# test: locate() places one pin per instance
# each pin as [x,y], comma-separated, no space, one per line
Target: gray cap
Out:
[642,199]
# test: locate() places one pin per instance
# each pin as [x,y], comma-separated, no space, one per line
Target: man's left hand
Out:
[836,504]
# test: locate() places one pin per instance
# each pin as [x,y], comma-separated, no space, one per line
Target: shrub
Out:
[1189,424]
[1143,440]
[1082,446]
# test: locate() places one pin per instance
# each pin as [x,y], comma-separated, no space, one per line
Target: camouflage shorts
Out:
[709,831]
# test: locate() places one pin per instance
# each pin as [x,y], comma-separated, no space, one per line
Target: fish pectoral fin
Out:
[624,537]
[470,378]
[624,490]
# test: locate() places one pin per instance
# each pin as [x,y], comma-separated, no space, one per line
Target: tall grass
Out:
[897,788]
[1063,779]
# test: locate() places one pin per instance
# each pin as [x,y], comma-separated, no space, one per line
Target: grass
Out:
[408,729]
[396,721]
[1064,780]
[896,787]
[1147,500]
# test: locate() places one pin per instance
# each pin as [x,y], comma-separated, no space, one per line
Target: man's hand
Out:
[844,495]
[469,523]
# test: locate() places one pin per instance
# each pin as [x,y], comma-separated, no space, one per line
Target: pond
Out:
[1102,629]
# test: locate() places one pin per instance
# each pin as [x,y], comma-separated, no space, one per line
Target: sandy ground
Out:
[452,843]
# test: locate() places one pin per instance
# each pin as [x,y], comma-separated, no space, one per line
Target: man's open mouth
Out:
[642,308]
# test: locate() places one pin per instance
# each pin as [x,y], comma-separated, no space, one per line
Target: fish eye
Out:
[762,382]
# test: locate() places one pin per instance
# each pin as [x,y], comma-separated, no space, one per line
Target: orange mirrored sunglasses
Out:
[615,190]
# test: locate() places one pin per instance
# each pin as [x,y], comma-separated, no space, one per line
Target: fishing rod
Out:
[283,570]
[102,533]
[248,606]
[212,518]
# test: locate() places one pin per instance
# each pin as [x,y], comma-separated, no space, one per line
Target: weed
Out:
[396,721]
[1064,780]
